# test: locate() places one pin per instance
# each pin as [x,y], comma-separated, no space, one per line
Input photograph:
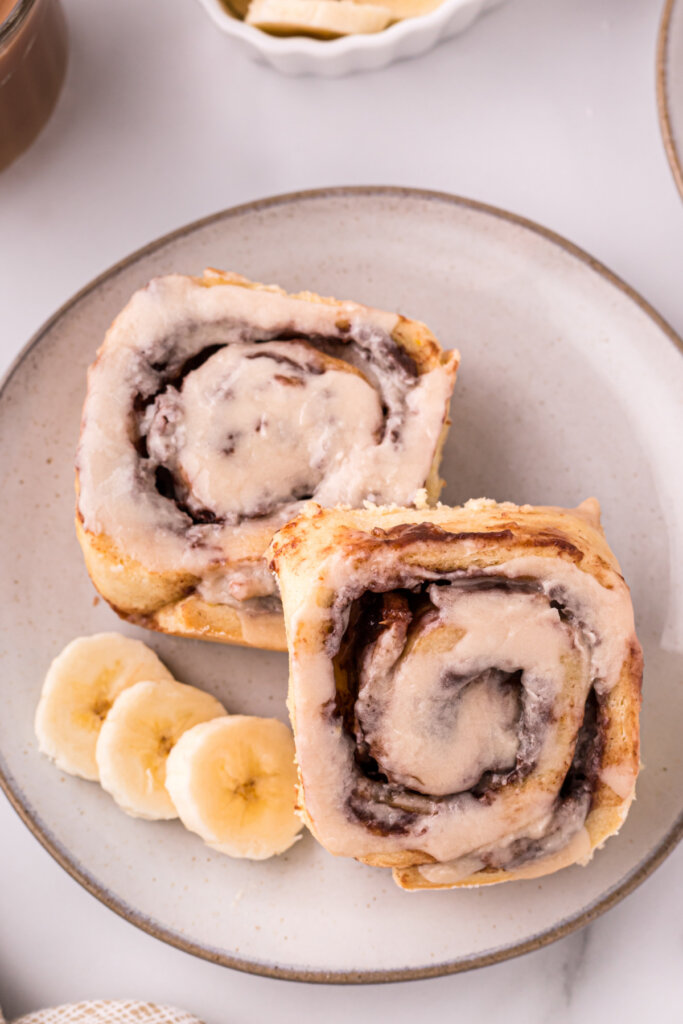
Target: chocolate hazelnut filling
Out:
[432,726]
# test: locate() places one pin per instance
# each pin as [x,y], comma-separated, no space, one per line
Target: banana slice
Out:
[324,18]
[81,685]
[142,727]
[233,783]
[399,9]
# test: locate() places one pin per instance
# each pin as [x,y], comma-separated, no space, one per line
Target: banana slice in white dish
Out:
[141,729]
[324,18]
[400,9]
[233,782]
[80,687]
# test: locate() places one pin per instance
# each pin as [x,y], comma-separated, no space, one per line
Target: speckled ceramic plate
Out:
[670,86]
[570,386]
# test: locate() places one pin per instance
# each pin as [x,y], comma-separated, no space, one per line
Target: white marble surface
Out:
[546,107]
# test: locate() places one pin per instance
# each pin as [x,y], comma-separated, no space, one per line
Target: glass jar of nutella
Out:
[33,57]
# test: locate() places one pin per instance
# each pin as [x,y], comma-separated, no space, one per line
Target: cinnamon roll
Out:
[464,687]
[215,408]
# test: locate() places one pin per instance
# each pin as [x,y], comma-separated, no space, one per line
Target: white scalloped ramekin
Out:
[300,55]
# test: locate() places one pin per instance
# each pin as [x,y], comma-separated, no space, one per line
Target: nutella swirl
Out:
[468,690]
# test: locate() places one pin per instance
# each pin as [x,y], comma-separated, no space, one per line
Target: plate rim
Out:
[78,872]
[662,81]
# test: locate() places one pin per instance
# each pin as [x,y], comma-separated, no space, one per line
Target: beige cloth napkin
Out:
[108,1012]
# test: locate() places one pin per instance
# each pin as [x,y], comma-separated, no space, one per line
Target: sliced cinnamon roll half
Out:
[464,687]
[215,408]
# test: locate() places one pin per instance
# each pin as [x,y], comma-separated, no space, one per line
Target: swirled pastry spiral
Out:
[215,407]
[464,687]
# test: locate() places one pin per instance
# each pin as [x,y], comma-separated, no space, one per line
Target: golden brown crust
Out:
[481,533]
[165,602]
[193,617]
[127,585]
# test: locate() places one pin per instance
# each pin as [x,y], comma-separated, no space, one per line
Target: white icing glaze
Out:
[390,471]
[323,436]
[243,409]
[439,738]
[578,850]
[239,583]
